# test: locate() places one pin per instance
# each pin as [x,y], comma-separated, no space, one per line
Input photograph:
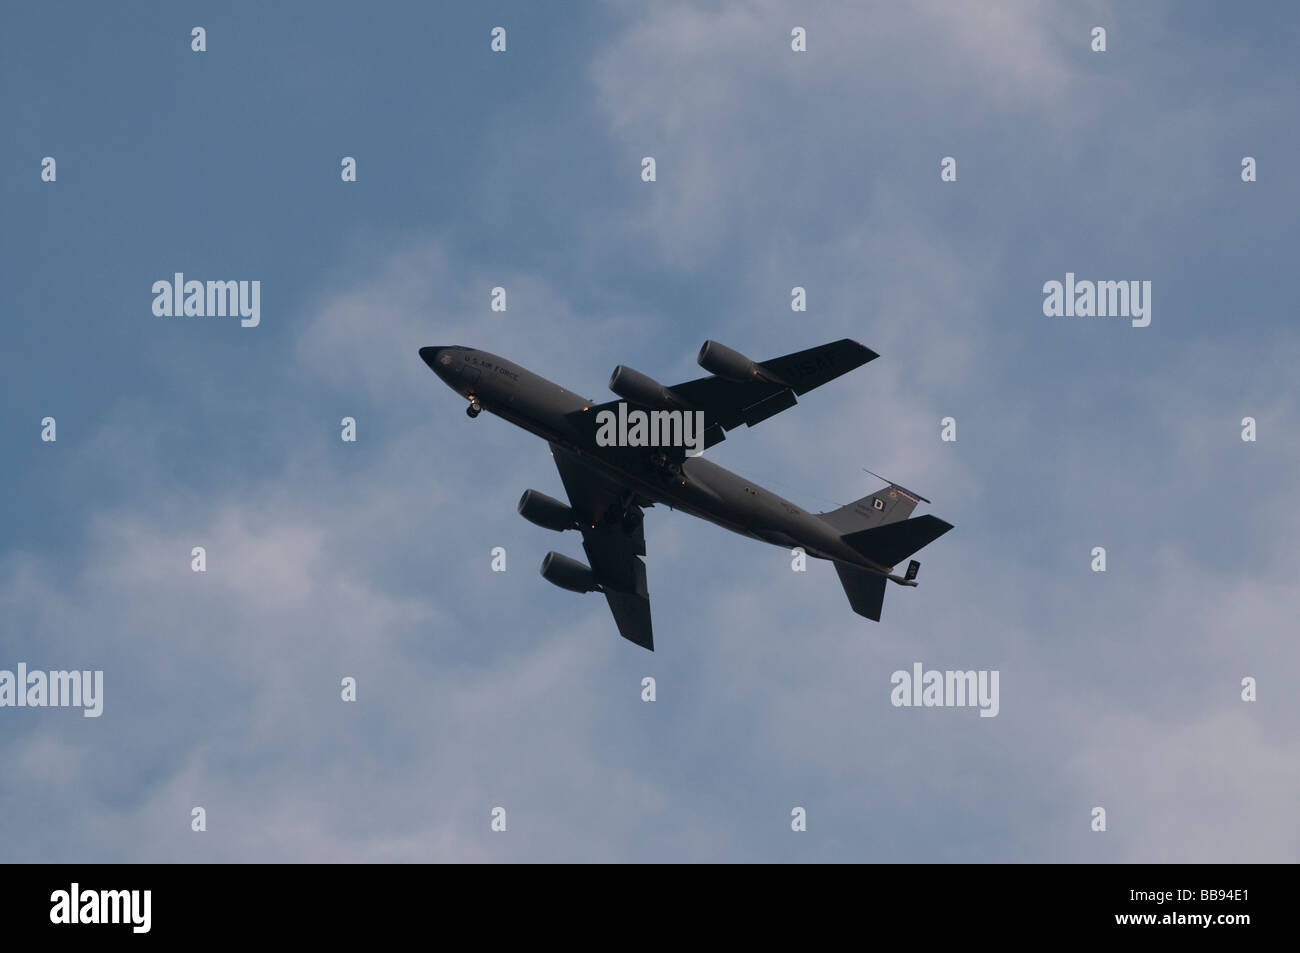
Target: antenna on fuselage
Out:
[898,486]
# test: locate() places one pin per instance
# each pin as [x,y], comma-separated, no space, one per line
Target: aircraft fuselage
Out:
[697,486]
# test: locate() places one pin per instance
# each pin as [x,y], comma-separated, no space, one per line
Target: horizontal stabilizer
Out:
[893,542]
[865,589]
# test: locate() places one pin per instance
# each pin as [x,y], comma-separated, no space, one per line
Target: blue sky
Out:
[372,560]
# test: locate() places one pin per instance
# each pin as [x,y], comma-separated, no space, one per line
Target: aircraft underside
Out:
[609,485]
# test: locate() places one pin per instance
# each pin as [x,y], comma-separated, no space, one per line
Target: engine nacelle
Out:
[568,573]
[547,512]
[636,387]
[732,365]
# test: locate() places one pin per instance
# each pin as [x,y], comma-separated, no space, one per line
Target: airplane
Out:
[609,486]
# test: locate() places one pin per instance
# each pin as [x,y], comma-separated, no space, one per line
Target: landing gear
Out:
[625,515]
[660,463]
[474,408]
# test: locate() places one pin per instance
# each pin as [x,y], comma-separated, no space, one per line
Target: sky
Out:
[521,169]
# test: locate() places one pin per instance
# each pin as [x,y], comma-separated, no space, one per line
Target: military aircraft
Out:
[611,477]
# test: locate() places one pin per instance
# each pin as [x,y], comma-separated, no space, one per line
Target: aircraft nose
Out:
[430,356]
[442,360]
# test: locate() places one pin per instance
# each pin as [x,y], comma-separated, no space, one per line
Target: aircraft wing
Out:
[732,403]
[613,544]
[729,403]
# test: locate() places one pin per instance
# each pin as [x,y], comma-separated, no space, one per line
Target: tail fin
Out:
[884,506]
[893,542]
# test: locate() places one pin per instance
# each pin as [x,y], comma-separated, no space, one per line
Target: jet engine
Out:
[568,573]
[732,365]
[636,387]
[547,512]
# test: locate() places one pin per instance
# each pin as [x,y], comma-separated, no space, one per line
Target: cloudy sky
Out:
[521,169]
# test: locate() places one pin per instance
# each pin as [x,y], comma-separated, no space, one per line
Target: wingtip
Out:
[867,353]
